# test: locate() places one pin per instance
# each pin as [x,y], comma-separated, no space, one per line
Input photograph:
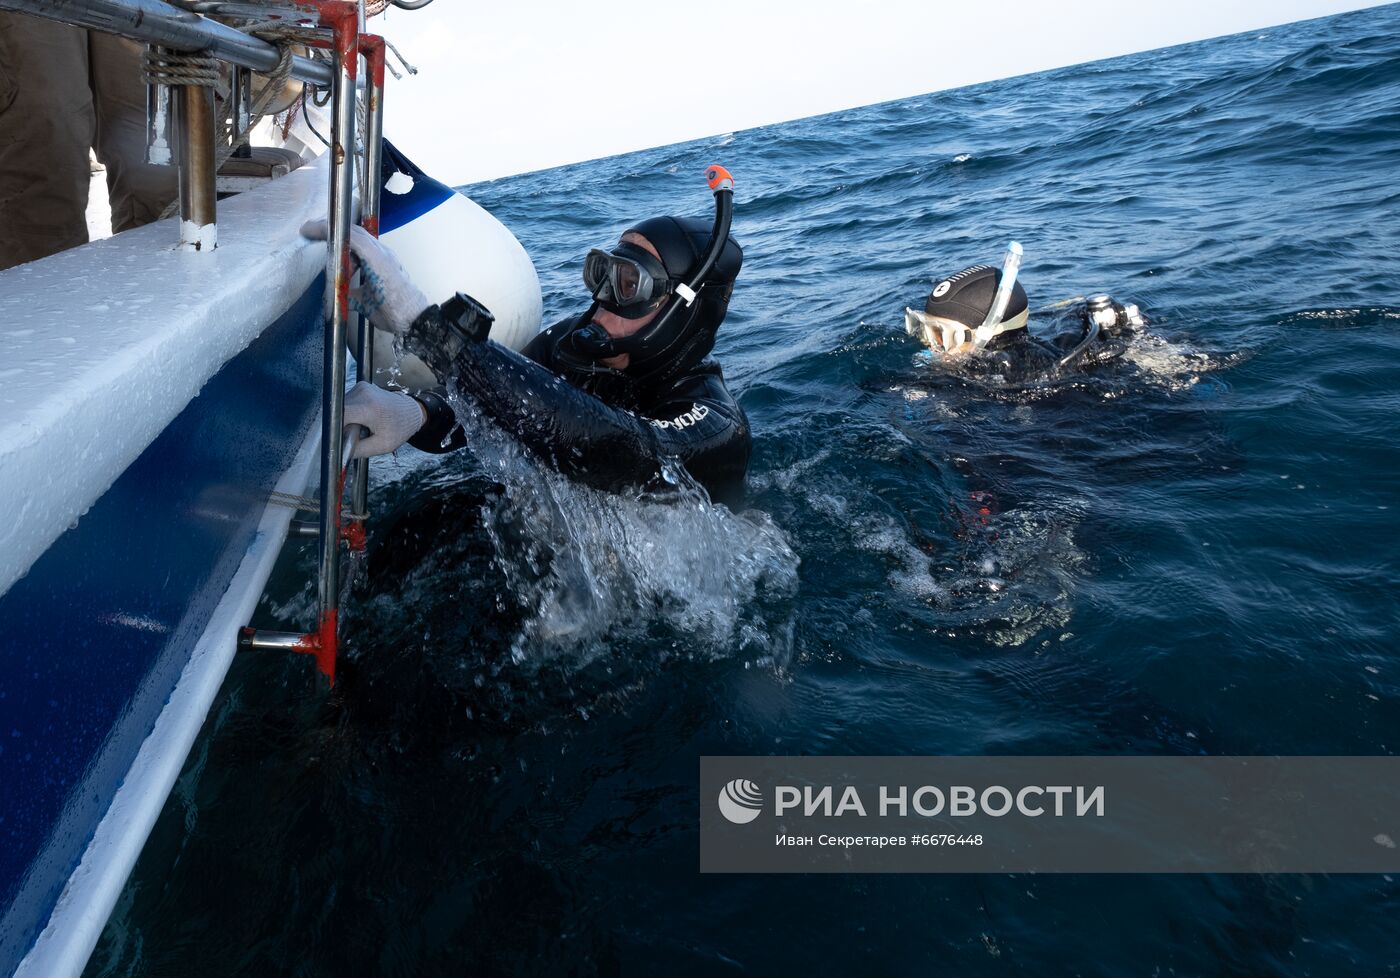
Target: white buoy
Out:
[448,244]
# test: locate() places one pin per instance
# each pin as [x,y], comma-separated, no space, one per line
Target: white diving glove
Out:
[386,294]
[391,417]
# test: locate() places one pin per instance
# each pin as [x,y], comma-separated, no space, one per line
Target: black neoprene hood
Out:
[967,296]
[681,243]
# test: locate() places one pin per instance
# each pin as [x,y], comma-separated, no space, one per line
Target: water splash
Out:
[1173,364]
[594,568]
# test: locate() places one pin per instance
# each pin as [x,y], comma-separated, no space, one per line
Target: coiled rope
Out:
[293,501]
[164,66]
[167,67]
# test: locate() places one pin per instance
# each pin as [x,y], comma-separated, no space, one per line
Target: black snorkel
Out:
[723,186]
[588,342]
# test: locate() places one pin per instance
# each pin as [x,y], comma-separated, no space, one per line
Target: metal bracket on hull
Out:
[194,127]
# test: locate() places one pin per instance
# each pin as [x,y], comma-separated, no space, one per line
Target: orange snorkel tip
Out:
[718,178]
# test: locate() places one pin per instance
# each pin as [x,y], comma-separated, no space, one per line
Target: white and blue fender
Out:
[448,243]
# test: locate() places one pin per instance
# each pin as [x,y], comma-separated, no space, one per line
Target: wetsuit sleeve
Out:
[441,432]
[591,441]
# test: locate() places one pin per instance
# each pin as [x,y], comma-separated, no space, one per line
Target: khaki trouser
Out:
[64,90]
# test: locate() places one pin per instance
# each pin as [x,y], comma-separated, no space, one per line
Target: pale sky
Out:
[511,87]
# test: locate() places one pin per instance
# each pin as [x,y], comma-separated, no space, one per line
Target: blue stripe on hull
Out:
[94,638]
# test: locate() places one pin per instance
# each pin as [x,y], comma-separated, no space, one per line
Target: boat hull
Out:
[97,634]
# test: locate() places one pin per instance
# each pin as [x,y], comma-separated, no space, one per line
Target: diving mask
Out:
[628,281]
[950,337]
[938,334]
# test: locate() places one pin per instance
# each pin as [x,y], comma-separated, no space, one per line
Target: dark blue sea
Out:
[1192,550]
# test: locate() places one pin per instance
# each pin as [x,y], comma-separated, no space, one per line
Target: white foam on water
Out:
[1166,363]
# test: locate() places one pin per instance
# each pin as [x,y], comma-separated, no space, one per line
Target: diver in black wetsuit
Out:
[976,321]
[607,397]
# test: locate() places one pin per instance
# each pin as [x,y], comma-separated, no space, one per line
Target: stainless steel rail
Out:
[194,124]
[343,18]
[242,99]
[373,48]
[157,22]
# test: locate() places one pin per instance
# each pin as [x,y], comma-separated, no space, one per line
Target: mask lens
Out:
[628,281]
[595,269]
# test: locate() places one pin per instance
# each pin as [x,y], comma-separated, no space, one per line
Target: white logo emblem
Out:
[941,289]
[740,801]
[696,414]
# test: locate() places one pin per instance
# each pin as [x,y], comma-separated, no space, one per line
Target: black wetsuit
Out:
[603,428]
[1015,356]
[1065,347]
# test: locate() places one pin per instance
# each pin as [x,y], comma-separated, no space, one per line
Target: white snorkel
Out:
[1009,266]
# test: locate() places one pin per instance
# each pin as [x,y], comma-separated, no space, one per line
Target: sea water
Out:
[1190,551]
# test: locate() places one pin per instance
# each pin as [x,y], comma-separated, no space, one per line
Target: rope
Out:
[402,60]
[166,67]
[310,504]
[282,35]
[292,501]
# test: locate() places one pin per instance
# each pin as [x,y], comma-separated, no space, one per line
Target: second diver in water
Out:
[976,321]
[609,397]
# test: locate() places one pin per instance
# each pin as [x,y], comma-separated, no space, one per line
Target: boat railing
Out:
[180,29]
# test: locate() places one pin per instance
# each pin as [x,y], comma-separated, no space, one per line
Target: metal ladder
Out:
[336,26]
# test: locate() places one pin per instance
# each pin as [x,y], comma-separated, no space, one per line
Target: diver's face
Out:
[615,325]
